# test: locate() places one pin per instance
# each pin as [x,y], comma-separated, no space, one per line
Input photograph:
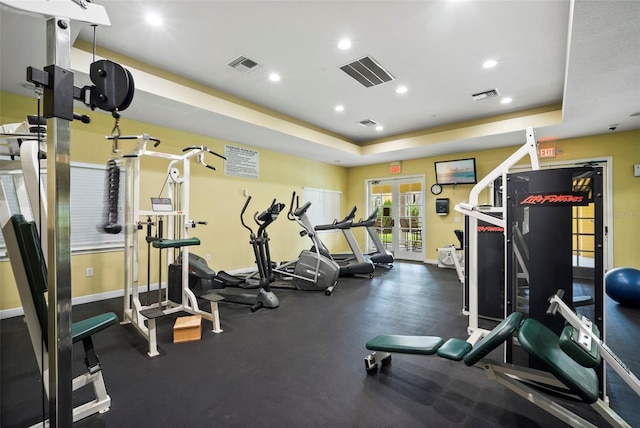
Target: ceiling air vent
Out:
[367,72]
[486,94]
[243,64]
[368,122]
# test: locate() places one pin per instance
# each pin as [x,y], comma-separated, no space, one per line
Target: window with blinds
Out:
[88,203]
[325,205]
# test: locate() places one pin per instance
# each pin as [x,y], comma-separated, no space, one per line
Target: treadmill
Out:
[354,264]
[381,257]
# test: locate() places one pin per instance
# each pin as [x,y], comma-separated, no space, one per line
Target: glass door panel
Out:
[400,204]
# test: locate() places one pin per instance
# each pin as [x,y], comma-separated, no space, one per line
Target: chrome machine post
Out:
[58,234]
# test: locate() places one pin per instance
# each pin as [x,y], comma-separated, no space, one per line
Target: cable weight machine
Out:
[170,208]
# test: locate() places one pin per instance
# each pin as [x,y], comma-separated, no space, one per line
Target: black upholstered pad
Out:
[542,343]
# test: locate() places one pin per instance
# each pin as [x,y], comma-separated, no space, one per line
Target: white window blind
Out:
[88,201]
[9,189]
[325,205]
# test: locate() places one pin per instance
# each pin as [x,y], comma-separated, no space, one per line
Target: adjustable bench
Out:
[452,349]
[30,272]
[570,371]
[544,345]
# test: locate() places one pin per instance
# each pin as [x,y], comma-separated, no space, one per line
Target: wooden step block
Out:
[187,329]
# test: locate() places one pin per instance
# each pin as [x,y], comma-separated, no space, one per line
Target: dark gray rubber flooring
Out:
[301,365]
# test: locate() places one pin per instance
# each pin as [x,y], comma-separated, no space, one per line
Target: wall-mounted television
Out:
[459,171]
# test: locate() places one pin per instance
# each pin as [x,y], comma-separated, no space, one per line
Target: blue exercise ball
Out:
[623,286]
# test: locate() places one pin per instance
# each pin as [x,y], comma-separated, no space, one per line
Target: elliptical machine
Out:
[204,281]
[313,270]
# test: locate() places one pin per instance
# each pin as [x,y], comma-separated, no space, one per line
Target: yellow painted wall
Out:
[623,147]
[218,199]
[215,198]
[438,229]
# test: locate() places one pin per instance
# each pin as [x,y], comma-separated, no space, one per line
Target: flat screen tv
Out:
[459,171]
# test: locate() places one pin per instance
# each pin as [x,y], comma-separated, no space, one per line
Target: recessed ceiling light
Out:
[506,100]
[401,90]
[274,77]
[153,19]
[344,44]
[379,128]
[339,108]
[489,63]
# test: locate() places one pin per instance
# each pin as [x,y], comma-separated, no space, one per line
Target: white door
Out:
[400,204]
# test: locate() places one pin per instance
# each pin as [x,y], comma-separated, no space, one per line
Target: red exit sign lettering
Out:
[549,152]
[395,167]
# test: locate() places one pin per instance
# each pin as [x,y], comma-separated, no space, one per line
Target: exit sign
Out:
[549,152]
[395,168]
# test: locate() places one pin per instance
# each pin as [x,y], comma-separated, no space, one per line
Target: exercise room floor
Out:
[301,365]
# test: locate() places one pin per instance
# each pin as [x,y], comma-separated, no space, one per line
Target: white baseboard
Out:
[10,313]
[16,312]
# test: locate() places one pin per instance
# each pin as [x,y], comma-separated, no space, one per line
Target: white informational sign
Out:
[241,162]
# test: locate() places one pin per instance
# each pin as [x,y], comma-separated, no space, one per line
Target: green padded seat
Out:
[568,343]
[36,270]
[424,345]
[543,344]
[86,328]
[495,338]
[175,243]
[454,349]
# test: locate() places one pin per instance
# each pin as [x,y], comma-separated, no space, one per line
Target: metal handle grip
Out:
[553,307]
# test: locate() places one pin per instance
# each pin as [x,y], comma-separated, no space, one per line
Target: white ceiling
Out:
[584,56]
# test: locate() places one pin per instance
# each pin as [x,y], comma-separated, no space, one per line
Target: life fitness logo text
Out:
[555,199]
[490,229]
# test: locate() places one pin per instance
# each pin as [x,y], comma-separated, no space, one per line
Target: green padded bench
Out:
[26,237]
[175,243]
[452,349]
[570,343]
[424,345]
[543,344]
[495,338]
[534,337]
[30,272]
[86,328]
[567,363]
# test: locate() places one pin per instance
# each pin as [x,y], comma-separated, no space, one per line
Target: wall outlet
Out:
[89,271]
[208,257]
[636,170]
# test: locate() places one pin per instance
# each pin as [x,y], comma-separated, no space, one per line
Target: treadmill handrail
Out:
[369,221]
[335,226]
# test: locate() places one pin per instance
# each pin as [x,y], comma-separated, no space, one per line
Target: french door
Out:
[400,221]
